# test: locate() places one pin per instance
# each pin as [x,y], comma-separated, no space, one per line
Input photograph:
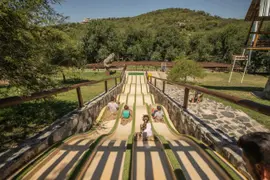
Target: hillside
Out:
[182,19]
[163,34]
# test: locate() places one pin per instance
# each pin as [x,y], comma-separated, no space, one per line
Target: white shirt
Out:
[113,106]
[159,115]
[148,130]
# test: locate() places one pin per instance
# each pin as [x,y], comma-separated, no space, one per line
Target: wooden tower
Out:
[258,37]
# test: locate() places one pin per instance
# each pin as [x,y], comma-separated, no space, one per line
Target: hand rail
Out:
[264,109]
[15,100]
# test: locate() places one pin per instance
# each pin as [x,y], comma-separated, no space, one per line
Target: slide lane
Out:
[108,159]
[195,163]
[149,158]
[60,162]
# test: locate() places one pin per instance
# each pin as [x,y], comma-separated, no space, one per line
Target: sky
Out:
[77,10]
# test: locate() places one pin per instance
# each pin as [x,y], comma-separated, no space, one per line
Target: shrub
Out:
[185,68]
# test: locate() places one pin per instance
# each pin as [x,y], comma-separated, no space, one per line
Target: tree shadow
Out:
[235,88]
[23,121]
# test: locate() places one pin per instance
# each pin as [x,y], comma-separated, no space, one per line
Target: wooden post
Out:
[151,80]
[186,98]
[79,95]
[163,88]
[115,81]
[155,82]
[106,86]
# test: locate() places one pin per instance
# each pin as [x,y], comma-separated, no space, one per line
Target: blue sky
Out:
[77,10]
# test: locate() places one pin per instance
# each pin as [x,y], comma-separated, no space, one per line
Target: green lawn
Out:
[22,121]
[218,81]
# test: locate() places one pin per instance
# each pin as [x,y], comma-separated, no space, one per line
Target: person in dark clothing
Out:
[256,154]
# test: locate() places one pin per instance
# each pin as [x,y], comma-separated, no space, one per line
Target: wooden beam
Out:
[261,32]
[250,28]
[79,95]
[264,109]
[259,48]
[185,105]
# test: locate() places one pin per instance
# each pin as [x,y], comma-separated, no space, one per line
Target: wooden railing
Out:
[264,109]
[15,100]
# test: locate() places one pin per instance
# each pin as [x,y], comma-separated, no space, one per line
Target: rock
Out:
[227,114]
[240,131]
[248,125]
[209,116]
[243,119]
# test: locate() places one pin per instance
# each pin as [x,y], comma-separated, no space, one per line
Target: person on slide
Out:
[126,115]
[113,108]
[157,114]
[146,129]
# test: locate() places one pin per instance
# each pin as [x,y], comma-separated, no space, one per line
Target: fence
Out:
[264,109]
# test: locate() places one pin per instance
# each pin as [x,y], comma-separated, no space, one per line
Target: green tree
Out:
[23,60]
[183,69]
[99,41]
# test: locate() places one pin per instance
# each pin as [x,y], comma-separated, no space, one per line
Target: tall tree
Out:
[22,43]
[99,41]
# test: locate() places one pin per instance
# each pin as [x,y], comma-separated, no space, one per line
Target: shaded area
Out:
[187,150]
[106,159]
[23,121]
[234,88]
[149,162]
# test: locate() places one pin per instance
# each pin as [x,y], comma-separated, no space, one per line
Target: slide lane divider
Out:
[174,166]
[128,165]
[88,156]
[229,170]
[53,150]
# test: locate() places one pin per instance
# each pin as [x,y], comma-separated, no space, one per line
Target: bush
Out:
[185,68]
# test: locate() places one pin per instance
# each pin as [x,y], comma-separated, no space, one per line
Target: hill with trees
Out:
[165,34]
[36,44]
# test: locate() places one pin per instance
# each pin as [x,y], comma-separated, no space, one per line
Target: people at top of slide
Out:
[113,106]
[256,154]
[157,114]
[126,112]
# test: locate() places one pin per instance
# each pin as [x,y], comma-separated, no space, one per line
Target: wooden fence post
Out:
[155,82]
[186,98]
[106,86]
[163,88]
[79,95]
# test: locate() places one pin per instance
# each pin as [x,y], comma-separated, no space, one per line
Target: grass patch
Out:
[218,81]
[20,122]
[25,120]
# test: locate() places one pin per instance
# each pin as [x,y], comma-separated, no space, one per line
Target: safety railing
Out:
[264,109]
[15,100]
